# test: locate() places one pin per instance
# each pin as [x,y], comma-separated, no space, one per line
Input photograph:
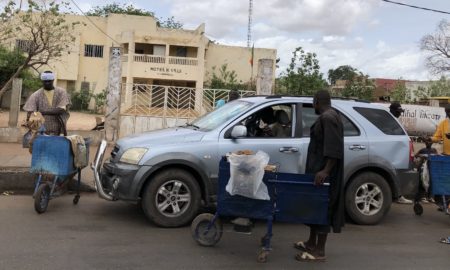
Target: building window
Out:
[24,45]
[93,50]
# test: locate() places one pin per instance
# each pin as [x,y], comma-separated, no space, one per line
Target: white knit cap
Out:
[47,76]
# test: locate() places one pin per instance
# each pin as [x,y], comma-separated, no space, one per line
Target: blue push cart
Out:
[52,162]
[439,168]
[293,199]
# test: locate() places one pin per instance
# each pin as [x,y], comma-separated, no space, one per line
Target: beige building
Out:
[151,55]
[164,71]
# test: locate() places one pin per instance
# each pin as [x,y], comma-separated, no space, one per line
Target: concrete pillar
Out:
[113,95]
[16,95]
[200,75]
[129,36]
[265,77]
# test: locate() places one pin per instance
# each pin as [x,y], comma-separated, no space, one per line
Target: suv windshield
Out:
[221,115]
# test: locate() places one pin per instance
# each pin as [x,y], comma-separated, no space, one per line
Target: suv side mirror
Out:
[239,132]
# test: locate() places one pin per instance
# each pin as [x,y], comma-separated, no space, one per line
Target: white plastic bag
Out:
[246,175]
[425,177]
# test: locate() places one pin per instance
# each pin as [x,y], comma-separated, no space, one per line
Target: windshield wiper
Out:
[192,125]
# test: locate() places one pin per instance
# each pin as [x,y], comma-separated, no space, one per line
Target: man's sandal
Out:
[308,257]
[300,245]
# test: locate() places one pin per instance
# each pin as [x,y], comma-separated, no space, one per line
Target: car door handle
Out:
[357,147]
[288,149]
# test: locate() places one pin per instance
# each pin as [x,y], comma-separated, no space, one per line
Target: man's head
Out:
[233,94]
[447,110]
[396,109]
[321,101]
[47,78]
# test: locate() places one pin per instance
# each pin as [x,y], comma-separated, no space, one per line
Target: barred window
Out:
[93,50]
[24,45]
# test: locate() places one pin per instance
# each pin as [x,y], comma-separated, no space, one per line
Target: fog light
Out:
[115,184]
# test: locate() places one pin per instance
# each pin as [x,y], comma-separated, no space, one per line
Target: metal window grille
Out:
[93,50]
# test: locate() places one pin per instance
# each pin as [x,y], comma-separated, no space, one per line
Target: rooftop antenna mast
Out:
[249,29]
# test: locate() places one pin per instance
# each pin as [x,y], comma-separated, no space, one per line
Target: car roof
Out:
[340,102]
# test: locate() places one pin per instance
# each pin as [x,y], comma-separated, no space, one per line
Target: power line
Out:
[92,22]
[411,6]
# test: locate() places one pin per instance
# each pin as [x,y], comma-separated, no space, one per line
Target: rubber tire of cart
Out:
[199,226]
[42,198]
[418,209]
[76,199]
[151,191]
[350,193]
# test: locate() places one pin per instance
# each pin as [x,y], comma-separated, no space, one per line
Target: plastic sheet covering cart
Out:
[293,199]
[52,162]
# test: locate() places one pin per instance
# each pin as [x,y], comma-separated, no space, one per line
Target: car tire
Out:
[172,198]
[368,198]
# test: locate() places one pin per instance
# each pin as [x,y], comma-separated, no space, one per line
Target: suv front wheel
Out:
[172,198]
[368,198]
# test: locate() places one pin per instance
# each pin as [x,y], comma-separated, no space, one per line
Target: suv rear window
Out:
[382,119]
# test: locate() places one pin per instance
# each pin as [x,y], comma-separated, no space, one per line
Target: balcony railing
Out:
[157,59]
[186,61]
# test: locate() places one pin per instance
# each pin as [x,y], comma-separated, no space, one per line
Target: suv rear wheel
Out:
[172,198]
[368,198]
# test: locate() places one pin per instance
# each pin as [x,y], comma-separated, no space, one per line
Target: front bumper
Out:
[408,182]
[118,180]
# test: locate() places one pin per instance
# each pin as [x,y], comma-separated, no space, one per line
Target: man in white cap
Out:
[52,103]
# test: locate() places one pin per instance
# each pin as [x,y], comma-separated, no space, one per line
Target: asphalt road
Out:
[97,234]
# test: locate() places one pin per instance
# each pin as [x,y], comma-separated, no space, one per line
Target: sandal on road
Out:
[308,257]
[445,240]
[300,245]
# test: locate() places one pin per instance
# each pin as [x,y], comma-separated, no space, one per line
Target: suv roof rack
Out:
[333,97]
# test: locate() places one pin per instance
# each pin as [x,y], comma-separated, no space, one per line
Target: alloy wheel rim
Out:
[173,198]
[369,199]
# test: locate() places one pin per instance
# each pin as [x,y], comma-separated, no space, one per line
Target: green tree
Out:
[129,9]
[438,46]
[400,93]
[43,29]
[341,73]
[360,87]
[302,76]
[223,79]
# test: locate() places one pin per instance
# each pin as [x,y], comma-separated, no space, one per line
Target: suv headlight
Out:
[133,155]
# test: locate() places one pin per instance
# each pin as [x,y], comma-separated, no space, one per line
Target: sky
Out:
[377,38]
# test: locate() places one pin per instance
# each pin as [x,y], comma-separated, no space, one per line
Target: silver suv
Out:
[173,172]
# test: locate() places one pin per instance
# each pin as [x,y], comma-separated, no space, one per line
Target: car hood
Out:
[162,136]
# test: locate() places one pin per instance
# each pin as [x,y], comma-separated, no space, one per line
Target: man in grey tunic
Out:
[52,103]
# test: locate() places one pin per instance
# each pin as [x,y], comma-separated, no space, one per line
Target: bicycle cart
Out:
[53,163]
[293,199]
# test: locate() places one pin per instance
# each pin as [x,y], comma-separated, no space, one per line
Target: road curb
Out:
[20,179]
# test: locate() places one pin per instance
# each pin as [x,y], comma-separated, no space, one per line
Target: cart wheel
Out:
[262,256]
[418,209]
[200,232]
[76,199]
[41,198]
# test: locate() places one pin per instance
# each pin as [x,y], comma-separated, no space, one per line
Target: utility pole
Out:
[249,29]
[113,95]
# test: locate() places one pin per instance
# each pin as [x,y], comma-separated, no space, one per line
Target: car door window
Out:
[270,122]
[309,116]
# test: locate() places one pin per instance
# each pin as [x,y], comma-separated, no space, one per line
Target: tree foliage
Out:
[438,47]
[360,87]
[129,9]
[302,76]
[400,93]
[43,29]
[224,79]
[345,72]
